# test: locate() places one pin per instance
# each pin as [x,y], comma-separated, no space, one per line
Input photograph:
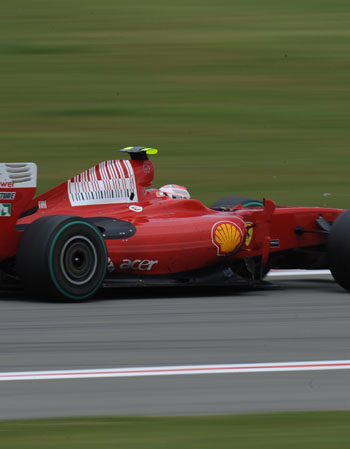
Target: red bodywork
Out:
[172,235]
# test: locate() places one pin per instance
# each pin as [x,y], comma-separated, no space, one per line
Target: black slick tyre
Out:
[232,201]
[339,250]
[61,256]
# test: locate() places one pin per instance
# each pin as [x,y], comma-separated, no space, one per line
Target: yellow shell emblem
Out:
[226,237]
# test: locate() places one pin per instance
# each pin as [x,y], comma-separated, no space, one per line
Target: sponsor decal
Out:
[5,210]
[7,185]
[7,195]
[275,243]
[136,208]
[226,236]
[147,167]
[42,204]
[110,182]
[138,264]
[110,266]
[248,239]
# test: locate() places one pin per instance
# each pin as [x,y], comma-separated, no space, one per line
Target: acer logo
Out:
[142,265]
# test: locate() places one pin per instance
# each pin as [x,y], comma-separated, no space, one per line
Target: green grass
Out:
[244,97]
[311,430]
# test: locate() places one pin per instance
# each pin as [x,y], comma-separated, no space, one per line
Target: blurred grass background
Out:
[244,97]
[307,430]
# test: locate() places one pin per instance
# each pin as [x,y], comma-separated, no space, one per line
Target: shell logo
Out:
[226,236]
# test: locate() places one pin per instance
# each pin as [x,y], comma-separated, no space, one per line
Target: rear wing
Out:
[18,175]
[17,188]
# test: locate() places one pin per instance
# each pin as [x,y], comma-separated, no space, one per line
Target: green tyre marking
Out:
[253,203]
[52,274]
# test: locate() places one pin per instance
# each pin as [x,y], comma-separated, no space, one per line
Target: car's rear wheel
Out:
[62,256]
[339,250]
[230,202]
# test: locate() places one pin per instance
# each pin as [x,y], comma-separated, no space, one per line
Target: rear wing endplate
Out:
[18,175]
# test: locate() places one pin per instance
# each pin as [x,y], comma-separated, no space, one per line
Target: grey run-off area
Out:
[306,320]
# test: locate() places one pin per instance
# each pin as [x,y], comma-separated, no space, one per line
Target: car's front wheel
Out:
[230,202]
[62,256]
[339,250]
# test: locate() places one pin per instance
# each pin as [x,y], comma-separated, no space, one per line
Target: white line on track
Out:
[278,273]
[177,370]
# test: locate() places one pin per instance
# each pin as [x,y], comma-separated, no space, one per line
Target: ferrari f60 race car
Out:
[106,226]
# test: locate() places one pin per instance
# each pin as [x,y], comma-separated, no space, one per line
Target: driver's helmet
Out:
[175,191]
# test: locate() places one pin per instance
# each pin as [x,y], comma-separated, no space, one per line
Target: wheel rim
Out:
[78,261]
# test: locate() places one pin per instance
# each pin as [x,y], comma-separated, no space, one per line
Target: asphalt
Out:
[304,320]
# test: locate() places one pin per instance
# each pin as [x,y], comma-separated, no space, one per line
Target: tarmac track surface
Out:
[306,320]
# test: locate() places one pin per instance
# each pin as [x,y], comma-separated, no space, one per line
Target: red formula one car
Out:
[106,225]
